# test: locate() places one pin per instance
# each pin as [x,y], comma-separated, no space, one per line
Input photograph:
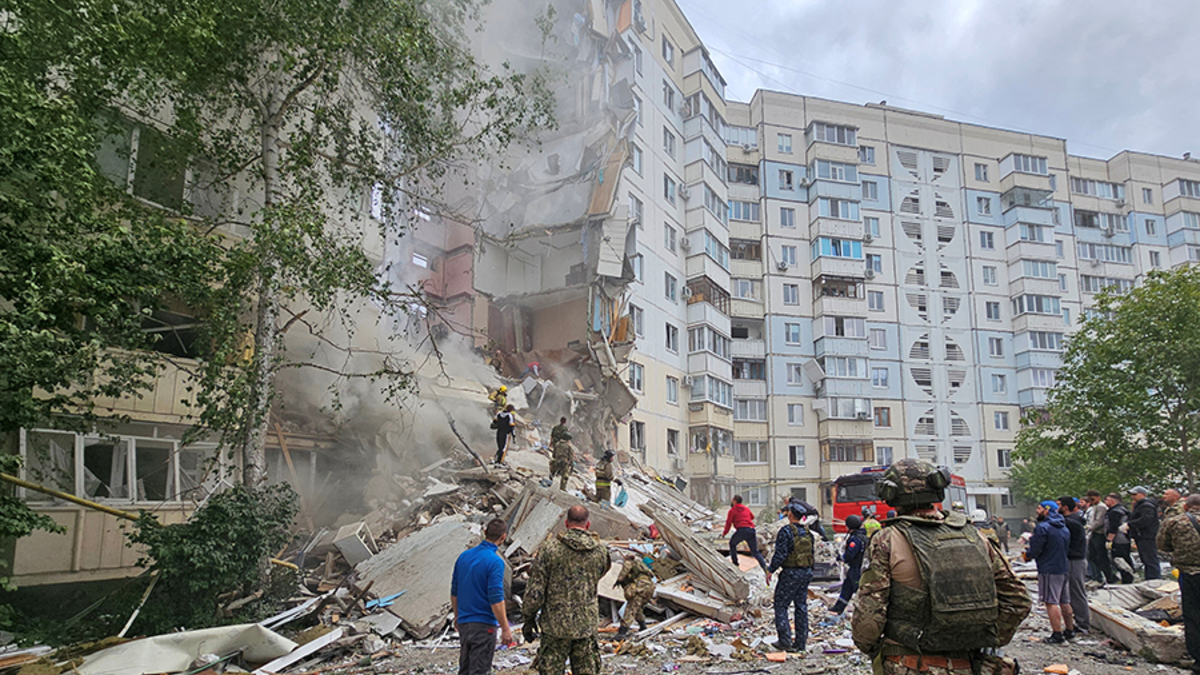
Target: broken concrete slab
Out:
[422,565]
[702,560]
[682,593]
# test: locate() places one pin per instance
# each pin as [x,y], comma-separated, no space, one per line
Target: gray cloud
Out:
[1107,75]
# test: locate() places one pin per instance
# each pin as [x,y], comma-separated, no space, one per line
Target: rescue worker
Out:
[903,619]
[499,399]
[959,507]
[1180,537]
[637,582]
[505,425]
[870,521]
[561,459]
[605,472]
[561,596]
[979,518]
[852,558]
[793,560]
[1173,504]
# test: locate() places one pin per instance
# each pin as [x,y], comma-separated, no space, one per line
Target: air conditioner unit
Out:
[869,274]
[685,244]
[746,147]
[862,416]
[686,292]
[1096,262]
[805,182]
[684,109]
[1108,232]
[1120,203]
[688,380]
[685,191]
[782,265]
[868,238]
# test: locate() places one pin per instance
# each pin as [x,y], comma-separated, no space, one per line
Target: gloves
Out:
[530,630]
[1124,528]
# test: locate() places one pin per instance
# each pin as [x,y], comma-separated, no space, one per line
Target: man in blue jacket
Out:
[1048,547]
[477,599]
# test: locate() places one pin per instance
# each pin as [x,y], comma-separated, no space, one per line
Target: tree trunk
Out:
[266,332]
[1189,469]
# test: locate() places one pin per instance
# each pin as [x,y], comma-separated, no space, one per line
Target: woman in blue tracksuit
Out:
[852,556]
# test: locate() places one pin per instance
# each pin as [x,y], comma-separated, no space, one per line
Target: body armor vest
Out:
[801,554]
[957,609]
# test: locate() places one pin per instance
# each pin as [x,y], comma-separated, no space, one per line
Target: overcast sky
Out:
[1106,75]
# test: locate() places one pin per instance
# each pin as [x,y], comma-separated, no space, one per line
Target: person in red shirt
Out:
[741,520]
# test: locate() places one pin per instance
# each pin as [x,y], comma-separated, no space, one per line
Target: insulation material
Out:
[174,652]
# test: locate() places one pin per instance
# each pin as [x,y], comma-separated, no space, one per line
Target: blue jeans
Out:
[792,590]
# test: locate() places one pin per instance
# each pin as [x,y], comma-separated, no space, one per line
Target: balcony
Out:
[834,227]
[701,311]
[746,269]
[1032,398]
[749,389]
[858,429]
[838,386]
[1032,250]
[841,346]
[169,401]
[1029,214]
[1034,286]
[698,125]
[703,290]
[840,267]
[1038,359]
[747,309]
[700,217]
[707,362]
[1017,180]
[1038,322]
[743,229]
[709,414]
[830,305]
[845,154]
[749,349]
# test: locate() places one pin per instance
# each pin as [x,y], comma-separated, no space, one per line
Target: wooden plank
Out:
[301,652]
[660,626]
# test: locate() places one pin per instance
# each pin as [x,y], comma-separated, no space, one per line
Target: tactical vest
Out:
[801,554]
[957,609]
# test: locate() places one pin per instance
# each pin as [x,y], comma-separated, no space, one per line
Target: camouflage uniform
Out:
[638,583]
[1176,509]
[1179,537]
[604,477]
[561,462]
[562,587]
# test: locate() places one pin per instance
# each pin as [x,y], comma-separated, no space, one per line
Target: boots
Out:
[642,625]
[623,633]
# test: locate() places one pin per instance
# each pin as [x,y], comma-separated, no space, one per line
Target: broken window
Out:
[672,441]
[106,468]
[637,436]
[173,333]
[50,461]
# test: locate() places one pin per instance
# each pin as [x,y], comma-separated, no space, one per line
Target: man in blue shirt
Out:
[477,598]
[1048,547]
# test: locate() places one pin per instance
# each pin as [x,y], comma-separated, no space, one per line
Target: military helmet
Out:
[912,482]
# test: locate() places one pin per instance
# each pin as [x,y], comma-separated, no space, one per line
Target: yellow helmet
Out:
[503,389]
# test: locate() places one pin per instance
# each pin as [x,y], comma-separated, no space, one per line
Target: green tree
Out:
[1125,407]
[296,120]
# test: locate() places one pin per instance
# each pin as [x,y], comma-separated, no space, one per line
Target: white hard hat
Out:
[979,516]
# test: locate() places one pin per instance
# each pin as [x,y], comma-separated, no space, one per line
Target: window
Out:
[1034,233]
[1036,304]
[636,157]
[784,142]
[879,378]
[1045,341]
[709,388]
[750,409]
[987,241]
[791,294]
[866,154]
[870,190]
[1059,251]
[1062,282]
[637,57]
[670,286]
[875,301]
[1147,196]
[1042,378]
[672,441]
[668,51]
[1004,461]
[1028,164]
[985,205]
[788,255]
[989,275]
[1191,220]
[745,250]
[704,338]
[831,133]
[749,369]
[883,455]
[637,436]
[1096,188]
[669,188]
[1155,260]
[796,455]
[1039,269]
[636,375]
[844,367]
[787,217]
[883,417]
[669,143]
[672,390]
[744,211]
[845,326]
[1105,252]
[981,173]
[750,452]
[637,109]
[878,338]
[637,211]
[639,267]
[747,137]
[875,263]
[1006,501]
[829,247]
[999,384]
[795,374]
[672,339]
[1000,420]
[791,333]
[838,208]
[795,414]
[995,347]
[670,237]
[992,310]
[636,319]
[1151,227]
[786,181]
[847,451]
[747,174]
[871,226]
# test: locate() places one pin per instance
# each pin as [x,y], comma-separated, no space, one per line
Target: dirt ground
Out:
[829,652]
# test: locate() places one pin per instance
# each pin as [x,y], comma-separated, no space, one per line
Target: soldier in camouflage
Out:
[936,597]
[637,582]
[562,458]
[561,596]
[793,557]
[605,472]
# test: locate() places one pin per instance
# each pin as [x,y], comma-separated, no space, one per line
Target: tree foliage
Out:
[1125,408]
[308,129]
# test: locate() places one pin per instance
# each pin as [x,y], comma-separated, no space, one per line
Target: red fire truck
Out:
[853,491]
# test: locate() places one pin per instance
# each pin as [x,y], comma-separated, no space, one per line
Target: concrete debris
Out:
[1133,616]
[175,652]
[710,568]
